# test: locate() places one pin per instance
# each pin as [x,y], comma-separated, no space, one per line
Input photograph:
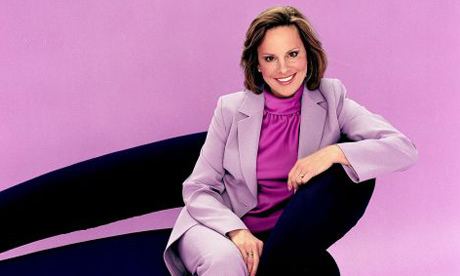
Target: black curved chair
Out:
[95,192]
[98,191]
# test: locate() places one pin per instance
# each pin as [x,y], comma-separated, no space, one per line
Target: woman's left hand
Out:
[306,168]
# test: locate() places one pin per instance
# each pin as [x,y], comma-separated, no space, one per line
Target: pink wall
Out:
[80,79]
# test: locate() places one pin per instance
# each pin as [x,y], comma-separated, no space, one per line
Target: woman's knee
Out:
[225,259]
[335,173]
[207,252]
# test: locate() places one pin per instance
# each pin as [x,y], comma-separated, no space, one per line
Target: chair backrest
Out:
[101,190]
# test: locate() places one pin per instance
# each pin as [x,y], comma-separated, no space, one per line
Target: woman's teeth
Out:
[286,79]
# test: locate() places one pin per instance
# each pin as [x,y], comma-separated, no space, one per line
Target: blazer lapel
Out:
[312,121]
[311,130]
[248,137]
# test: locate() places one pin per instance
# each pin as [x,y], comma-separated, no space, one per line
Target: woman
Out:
[274,186]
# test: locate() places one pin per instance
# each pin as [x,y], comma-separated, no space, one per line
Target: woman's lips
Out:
[285,81]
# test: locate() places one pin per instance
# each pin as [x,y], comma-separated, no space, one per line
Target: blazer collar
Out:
[312,120]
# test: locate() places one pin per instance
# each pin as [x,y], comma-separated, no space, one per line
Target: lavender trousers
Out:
[320,213]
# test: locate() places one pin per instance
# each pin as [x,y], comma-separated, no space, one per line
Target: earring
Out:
[258,69]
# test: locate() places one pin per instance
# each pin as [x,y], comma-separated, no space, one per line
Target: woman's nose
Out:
[283,66]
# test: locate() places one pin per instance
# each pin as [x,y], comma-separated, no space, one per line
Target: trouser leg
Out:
[321,212]
[206,252]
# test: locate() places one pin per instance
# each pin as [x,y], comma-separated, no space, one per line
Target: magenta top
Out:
[277,154]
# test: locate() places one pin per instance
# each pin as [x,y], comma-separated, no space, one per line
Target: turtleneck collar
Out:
[280,105]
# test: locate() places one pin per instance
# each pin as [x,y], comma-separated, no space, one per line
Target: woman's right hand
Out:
[249,246]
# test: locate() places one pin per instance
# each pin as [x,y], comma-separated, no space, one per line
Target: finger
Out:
[298,184]
[307,177]
[292,182]
[246,260]
[244,256]
[292,175]
[260,247]
[256,263]
[249,259]
[291,188]
[295,176]
[300,179]
[250,263]
[255,259]
[289,180]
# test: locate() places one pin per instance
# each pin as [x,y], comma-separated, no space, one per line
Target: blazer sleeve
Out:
[202,190]
[377,146]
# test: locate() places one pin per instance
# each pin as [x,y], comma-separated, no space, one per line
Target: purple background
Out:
[79,79]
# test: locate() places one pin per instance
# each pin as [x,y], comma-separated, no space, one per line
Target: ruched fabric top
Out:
[277,154]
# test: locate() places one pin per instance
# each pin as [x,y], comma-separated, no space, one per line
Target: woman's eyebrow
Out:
[268,54]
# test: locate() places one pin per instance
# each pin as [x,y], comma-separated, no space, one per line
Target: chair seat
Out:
[126,255]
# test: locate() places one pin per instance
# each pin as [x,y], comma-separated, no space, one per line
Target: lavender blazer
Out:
[223,184]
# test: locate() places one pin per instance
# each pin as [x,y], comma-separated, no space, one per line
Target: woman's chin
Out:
[285,91]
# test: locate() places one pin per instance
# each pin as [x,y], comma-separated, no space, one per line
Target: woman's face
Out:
[282,60]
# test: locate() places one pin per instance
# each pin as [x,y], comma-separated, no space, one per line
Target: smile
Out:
[285,80]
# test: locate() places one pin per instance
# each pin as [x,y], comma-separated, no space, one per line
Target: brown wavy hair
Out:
[275,17]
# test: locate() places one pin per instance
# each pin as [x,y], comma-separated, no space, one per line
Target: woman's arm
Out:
[378,147]
[203,188]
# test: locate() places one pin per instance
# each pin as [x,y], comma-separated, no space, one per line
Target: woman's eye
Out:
[294,54]
[268,59]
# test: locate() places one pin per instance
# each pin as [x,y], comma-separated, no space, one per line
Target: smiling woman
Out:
[275,182]
[285,70]
[281,38]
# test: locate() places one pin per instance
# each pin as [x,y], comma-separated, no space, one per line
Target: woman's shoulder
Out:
[231,102]
[333,91]
[234,97]
[330,94]
[332,87]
